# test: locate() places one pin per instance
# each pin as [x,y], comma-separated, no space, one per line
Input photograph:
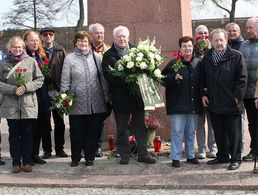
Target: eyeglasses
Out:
[46,34]
[17,47]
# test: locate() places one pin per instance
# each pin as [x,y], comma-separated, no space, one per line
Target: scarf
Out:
[16,58]
[217,57]
[121,52]
[82,53]
[35,56]
[49,51]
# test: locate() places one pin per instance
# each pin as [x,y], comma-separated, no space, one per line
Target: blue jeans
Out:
[182,124]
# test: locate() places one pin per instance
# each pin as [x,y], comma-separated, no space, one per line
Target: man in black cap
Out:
[55,54]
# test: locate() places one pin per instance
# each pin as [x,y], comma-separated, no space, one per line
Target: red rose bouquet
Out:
[44,67]
[179,64]
[20,76]
[202,43]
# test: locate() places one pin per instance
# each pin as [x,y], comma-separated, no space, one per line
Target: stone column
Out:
[166,20]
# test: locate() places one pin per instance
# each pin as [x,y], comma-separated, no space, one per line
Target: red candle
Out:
[157,143]
[111,143]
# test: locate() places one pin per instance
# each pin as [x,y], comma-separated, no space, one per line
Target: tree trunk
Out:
[35,14]
[81,18]
[233,10]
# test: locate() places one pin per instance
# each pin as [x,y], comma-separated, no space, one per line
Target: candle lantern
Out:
[111,143]
[157,143]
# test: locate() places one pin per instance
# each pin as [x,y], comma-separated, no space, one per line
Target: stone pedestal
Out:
[166,20]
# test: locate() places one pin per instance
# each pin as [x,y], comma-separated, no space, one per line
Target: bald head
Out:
[252,27]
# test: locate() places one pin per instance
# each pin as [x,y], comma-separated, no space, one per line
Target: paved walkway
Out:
[109,174]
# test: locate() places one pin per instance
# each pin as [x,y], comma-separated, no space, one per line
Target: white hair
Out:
[121,29]
[93,26]
[219,30]
[198,28]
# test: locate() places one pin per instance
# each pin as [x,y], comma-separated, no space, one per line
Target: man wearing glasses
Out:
[55,54]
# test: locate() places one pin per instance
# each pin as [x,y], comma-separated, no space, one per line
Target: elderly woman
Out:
[20,77]
[82,75]
[183,101]
[42,125]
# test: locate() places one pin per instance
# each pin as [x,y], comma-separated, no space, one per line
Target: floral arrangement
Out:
[201,43]
[44,67]
[179,64]
[63,103]
[20,76]
[145,58]
[152,122]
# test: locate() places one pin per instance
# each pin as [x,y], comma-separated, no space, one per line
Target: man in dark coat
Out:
[225,77]
[55,54]
[124,102]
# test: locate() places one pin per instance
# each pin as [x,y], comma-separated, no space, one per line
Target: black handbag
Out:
[109,109]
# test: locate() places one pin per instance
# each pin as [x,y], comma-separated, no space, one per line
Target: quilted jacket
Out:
[80,76]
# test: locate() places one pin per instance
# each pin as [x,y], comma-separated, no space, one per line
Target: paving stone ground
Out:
[107,176]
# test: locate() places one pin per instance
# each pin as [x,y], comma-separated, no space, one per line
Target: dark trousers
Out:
[140,132]
[59,135]
[100,139]
[84,134]
[251,112]
[228,136]
[20,140]
[41,126]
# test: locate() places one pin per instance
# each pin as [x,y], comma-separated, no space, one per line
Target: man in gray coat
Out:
[249,49]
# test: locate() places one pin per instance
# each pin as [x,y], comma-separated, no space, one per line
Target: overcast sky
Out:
[243,9]
[63,20]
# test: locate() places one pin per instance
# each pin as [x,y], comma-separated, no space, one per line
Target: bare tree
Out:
[67,5]
[222,4]
[31,13]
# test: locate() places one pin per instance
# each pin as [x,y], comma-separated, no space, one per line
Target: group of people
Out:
[211,85]
[218,80]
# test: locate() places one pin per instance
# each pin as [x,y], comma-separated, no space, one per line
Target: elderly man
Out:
[235,39]
[249,49]
[56,54]
[97,33]
[125,103]
[225,77]
[203,31]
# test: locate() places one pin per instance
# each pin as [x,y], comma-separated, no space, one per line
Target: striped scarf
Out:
[217,57]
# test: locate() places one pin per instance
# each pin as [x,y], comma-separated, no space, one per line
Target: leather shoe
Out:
[74,164]
[147,159]
[124,160]
[46,155]
[61,154]
[27,168]
[39,160]
[193,161]
[2,162]
[16,169]
[175,163]
[98,153]
[216,161]
[89,163]
[234,165]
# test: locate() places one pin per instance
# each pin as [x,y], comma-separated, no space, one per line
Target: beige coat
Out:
[25,106]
